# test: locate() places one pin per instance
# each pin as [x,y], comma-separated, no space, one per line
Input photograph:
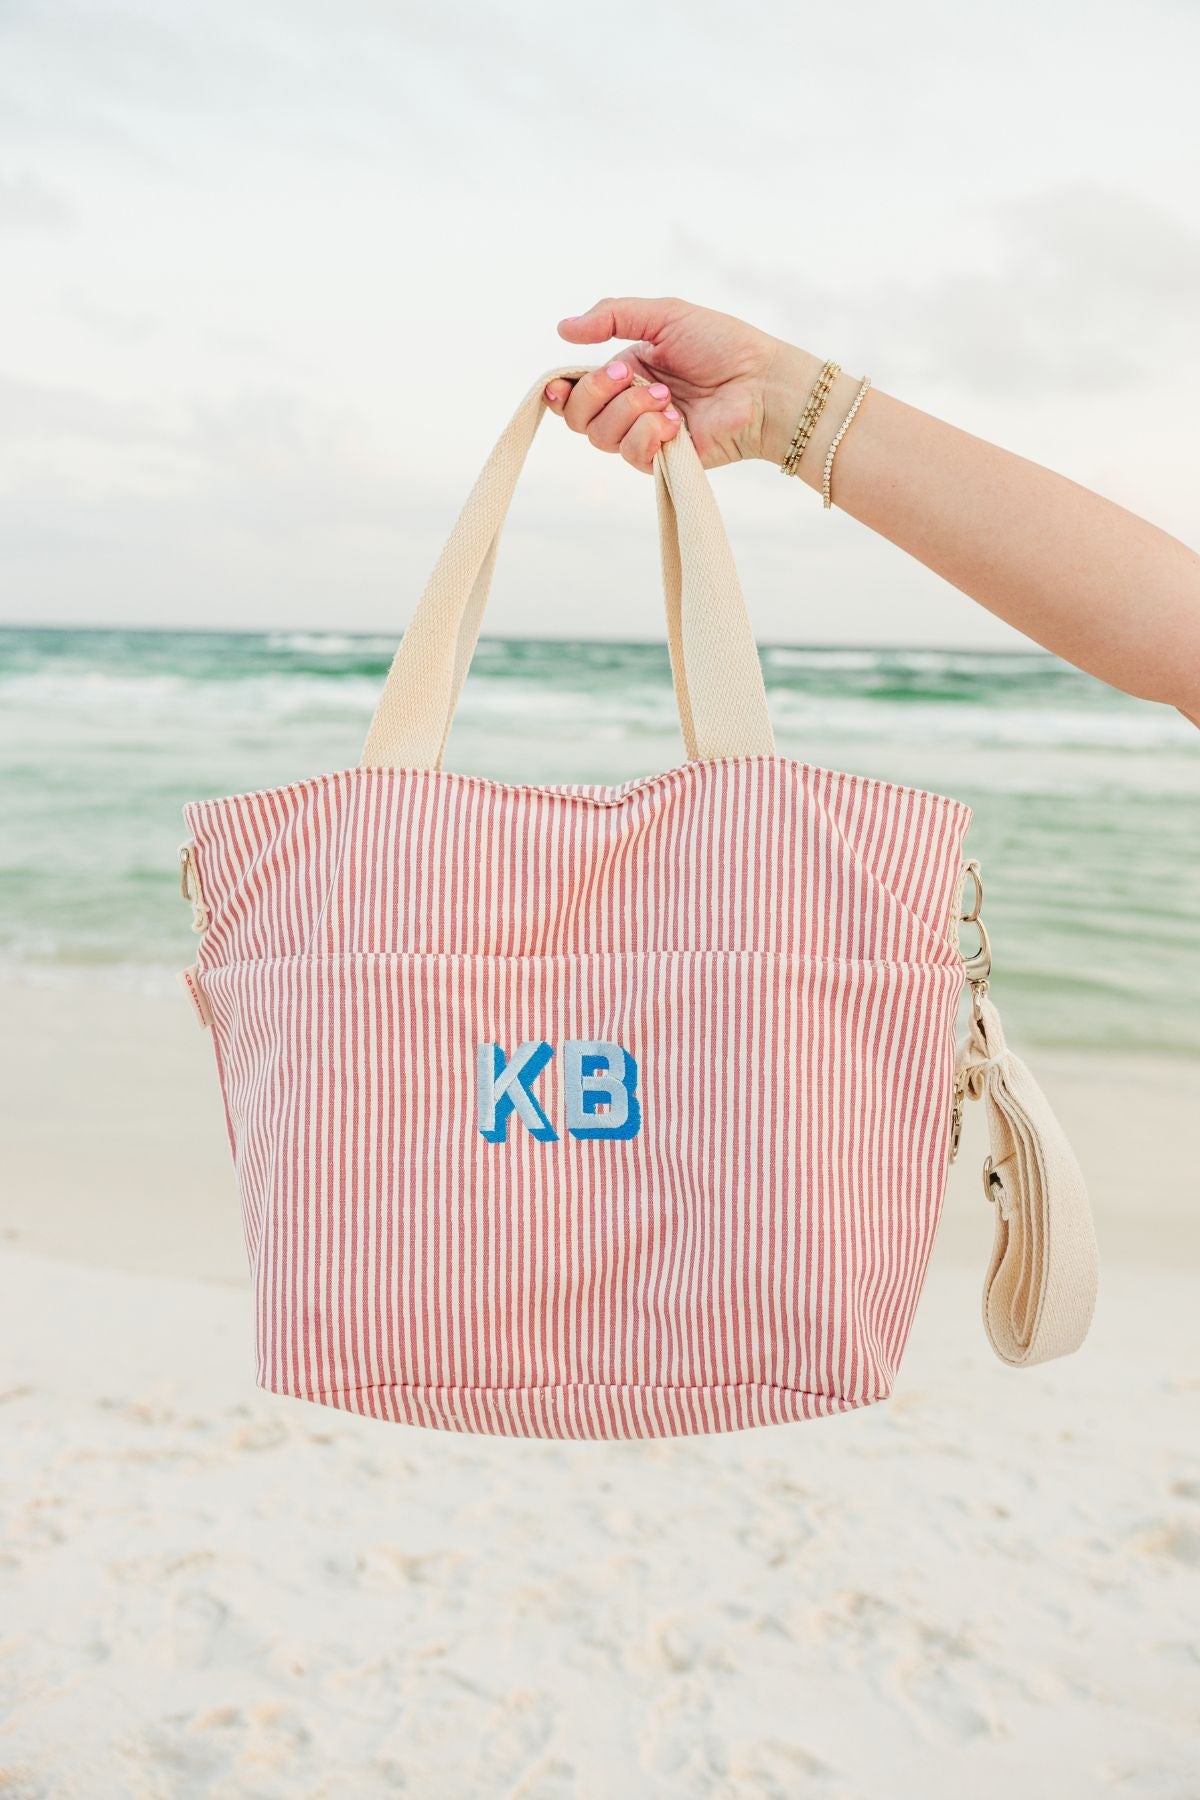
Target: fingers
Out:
[593,393]
[646,437]
[580,400]
[617,415]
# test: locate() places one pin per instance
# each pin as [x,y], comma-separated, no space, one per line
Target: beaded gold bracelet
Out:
[813,408]
[841,432]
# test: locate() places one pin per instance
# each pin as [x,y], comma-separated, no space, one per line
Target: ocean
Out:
[1087,802]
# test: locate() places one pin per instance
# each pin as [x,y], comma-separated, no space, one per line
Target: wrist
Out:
[787,386]
[788,383]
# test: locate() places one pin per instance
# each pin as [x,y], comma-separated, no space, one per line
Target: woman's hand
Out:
[727,377]
[1078,573]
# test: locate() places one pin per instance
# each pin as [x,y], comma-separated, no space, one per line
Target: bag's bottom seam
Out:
[701,1390]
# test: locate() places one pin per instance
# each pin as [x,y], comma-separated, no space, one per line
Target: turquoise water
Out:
[1087,802]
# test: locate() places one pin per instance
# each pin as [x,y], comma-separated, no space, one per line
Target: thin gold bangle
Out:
[841,432]
[813,407]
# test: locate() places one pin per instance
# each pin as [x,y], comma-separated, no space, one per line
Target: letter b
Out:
[594,1072]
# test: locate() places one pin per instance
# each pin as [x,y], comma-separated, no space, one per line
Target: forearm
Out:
[1091,581]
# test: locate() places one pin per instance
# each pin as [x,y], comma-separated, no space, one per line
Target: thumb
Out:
[623,318]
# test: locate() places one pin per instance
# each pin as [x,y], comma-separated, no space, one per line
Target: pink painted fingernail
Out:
[617,371]
[670,413]
[659,389]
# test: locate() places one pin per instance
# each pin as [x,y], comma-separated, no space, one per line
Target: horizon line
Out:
[248,631]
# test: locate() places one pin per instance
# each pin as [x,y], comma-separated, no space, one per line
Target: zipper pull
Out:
[189,887]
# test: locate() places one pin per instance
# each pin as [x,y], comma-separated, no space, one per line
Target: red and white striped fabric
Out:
[735,1230]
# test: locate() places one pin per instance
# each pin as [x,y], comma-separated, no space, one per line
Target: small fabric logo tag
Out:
[194,992]
[599,1084]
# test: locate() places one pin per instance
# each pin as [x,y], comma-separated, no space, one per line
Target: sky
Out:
[273,276]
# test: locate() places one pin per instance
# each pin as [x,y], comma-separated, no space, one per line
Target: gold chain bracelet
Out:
[813,408]
[841,432]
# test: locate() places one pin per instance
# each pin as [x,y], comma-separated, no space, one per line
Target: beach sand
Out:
[989,1584]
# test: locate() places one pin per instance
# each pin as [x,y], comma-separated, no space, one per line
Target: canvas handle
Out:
[714,660]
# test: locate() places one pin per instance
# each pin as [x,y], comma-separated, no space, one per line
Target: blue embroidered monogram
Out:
[503,1087]
[599,1079]
[598,1073]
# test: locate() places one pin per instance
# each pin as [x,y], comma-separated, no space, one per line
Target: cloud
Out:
[27,203]
[116,325]
[139,83]
[1092,288]
[270,458]
[260,506]
[33,411]
[1086,290]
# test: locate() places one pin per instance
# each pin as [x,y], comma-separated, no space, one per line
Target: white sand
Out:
[989,1585]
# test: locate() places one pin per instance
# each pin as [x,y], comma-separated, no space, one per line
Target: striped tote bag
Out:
[589,1112]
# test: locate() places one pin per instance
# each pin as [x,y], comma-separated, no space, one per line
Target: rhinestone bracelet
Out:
[841,432]
[813,407]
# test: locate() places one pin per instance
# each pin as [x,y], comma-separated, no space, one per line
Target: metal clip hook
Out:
[956,1119]
[979,964]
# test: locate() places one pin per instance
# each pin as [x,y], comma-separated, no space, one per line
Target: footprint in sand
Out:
[264,1750]
[933,1676]
[776,1770]
[1174,1540]
[201,1631]
[514,1743]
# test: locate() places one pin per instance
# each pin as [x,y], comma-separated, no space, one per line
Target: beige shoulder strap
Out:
[1040,1289]
[714,661]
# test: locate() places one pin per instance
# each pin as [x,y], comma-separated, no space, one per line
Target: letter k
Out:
[505,1087]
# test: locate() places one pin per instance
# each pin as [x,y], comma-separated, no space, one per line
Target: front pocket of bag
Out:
[716,1168]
